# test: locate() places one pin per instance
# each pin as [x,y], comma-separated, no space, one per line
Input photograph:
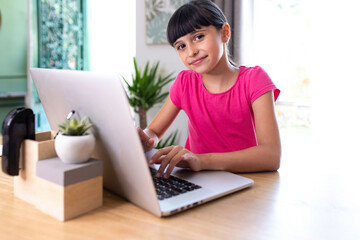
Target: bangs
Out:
[185,20]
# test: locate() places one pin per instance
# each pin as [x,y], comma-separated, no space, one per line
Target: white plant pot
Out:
[74,149]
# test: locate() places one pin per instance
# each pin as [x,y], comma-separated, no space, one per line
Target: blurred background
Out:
[309,48]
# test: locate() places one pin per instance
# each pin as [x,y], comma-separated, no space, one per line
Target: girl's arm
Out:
[264,157]
[159,125]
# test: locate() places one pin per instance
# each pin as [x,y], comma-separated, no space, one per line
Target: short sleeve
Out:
[260,83]
[177,89]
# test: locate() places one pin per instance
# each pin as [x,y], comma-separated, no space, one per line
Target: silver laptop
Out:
[126,170]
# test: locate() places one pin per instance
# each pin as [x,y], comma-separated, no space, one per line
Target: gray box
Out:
[63,174]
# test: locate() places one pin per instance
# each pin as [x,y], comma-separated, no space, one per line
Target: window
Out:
[281,47]
[311,50]
[61,42]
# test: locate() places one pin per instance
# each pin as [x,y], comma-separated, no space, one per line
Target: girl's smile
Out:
[198,61]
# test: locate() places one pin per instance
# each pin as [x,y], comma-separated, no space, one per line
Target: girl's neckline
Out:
[226,91]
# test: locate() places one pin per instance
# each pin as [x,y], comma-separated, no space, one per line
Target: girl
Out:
[232,123]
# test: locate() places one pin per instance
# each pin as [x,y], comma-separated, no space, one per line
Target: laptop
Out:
[127,172]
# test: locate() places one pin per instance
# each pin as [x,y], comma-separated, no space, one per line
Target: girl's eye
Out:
[180,46]
[198,37]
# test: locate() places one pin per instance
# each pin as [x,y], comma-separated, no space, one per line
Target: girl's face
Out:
[202,49]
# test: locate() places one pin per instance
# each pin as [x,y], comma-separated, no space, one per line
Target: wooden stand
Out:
[61,193]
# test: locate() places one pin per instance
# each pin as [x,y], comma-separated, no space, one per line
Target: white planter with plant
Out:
[73,144]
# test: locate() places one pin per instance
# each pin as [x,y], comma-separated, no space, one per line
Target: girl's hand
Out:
[148,142]
[175,156]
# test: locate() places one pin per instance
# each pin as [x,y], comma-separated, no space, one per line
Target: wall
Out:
[111,36]
[169,62]
[12,56]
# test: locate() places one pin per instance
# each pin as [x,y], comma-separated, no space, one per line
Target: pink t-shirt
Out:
[222,122]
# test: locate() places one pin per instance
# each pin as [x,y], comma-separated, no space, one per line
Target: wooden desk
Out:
[298,202]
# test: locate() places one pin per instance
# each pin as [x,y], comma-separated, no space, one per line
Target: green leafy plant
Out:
[74,127]
[169,141]
[146,89]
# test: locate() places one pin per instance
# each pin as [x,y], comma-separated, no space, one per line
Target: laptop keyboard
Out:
[173,186]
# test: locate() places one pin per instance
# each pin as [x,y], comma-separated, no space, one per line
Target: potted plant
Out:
[74,144]
[146,90]
[169,141]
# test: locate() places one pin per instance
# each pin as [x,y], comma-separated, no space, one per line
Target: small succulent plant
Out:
[74,127]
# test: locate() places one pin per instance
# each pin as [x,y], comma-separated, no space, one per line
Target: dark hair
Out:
[194,15]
